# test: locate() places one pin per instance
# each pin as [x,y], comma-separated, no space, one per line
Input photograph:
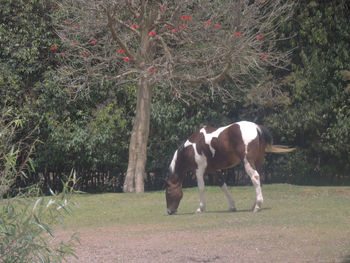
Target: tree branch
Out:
[116,38]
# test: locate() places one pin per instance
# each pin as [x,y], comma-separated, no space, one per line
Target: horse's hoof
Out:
[256,209]
[200,210]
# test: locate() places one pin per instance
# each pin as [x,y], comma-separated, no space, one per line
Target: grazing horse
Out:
[213,149]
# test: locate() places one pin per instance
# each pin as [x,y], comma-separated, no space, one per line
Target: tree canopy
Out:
[85,123]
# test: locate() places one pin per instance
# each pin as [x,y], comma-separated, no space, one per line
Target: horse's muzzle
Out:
[171,212]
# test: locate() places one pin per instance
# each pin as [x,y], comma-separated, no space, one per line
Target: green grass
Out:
[314,219]
[284,205]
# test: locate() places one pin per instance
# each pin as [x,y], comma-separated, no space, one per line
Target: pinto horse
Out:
[213,149]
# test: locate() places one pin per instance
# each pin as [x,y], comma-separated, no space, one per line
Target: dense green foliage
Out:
[318,121]
[90,131]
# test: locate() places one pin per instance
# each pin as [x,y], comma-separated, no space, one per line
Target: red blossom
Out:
[168,26]
[182,27]
[260,36]
[54,7]
[238,34]
[85,54]
[121,51]
[217,25]
[263,56]
[176,91]
[54,48]
[262,1]
[126,59]
[75,26]
[186,18]
[152,70]
[163,9]
[61,53]
[93,42]
[66,23]
[152,33]
[73,43]
[208,22]
[174,30]
[134,26]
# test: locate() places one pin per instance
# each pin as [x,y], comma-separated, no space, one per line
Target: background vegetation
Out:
[90,132]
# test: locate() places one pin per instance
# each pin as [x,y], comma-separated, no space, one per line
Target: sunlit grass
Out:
[315,221]
[283,205]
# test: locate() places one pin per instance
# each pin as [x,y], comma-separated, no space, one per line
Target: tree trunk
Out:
[135,175]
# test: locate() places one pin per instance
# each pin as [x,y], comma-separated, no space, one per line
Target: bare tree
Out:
[190,46]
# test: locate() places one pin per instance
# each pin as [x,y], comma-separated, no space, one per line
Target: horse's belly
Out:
[226,162]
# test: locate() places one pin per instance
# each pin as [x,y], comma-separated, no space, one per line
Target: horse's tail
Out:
[265,134]
[278,149]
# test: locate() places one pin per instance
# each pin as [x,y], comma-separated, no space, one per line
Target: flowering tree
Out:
[189,46]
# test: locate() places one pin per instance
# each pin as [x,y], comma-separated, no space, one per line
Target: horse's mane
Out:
[181,147]
[179,150]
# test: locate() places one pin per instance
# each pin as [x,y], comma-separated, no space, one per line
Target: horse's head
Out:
[173,195]
[173,183]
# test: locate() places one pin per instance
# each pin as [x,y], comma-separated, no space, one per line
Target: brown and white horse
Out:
[213,149]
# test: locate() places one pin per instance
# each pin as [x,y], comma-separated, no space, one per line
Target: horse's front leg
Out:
[200,182]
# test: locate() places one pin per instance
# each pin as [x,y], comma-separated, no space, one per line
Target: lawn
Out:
[297,224]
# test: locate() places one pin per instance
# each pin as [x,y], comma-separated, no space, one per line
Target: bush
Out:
[25,222]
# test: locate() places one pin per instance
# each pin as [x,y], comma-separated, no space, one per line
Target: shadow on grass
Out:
[225,212]
[238,211]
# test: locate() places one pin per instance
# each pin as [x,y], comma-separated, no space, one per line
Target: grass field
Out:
[297,224]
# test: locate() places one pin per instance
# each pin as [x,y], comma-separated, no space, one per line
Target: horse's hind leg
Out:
[200,182]
[255,177]
[219,180]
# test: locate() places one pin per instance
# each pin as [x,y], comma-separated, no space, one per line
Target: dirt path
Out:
[134,244]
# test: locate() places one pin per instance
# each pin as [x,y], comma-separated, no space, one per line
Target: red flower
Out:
[54,7]
[93,42]
[126,59]
[61,53]
[182,27]
[73,43]
[121,51]
[85,54]
[262,1]
[75,26]
[168,26]
[208,22]
[217,25]
[152,33]
[176,91]
[163,9]
[134,26]
[66,23]
[152,70]
[263,56]
[260,36]
[54,48]
[174,30]
[238,34]
[186,18]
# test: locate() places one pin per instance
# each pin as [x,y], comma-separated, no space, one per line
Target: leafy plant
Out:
[25,222]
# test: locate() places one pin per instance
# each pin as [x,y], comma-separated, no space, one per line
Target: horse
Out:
[210,150]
